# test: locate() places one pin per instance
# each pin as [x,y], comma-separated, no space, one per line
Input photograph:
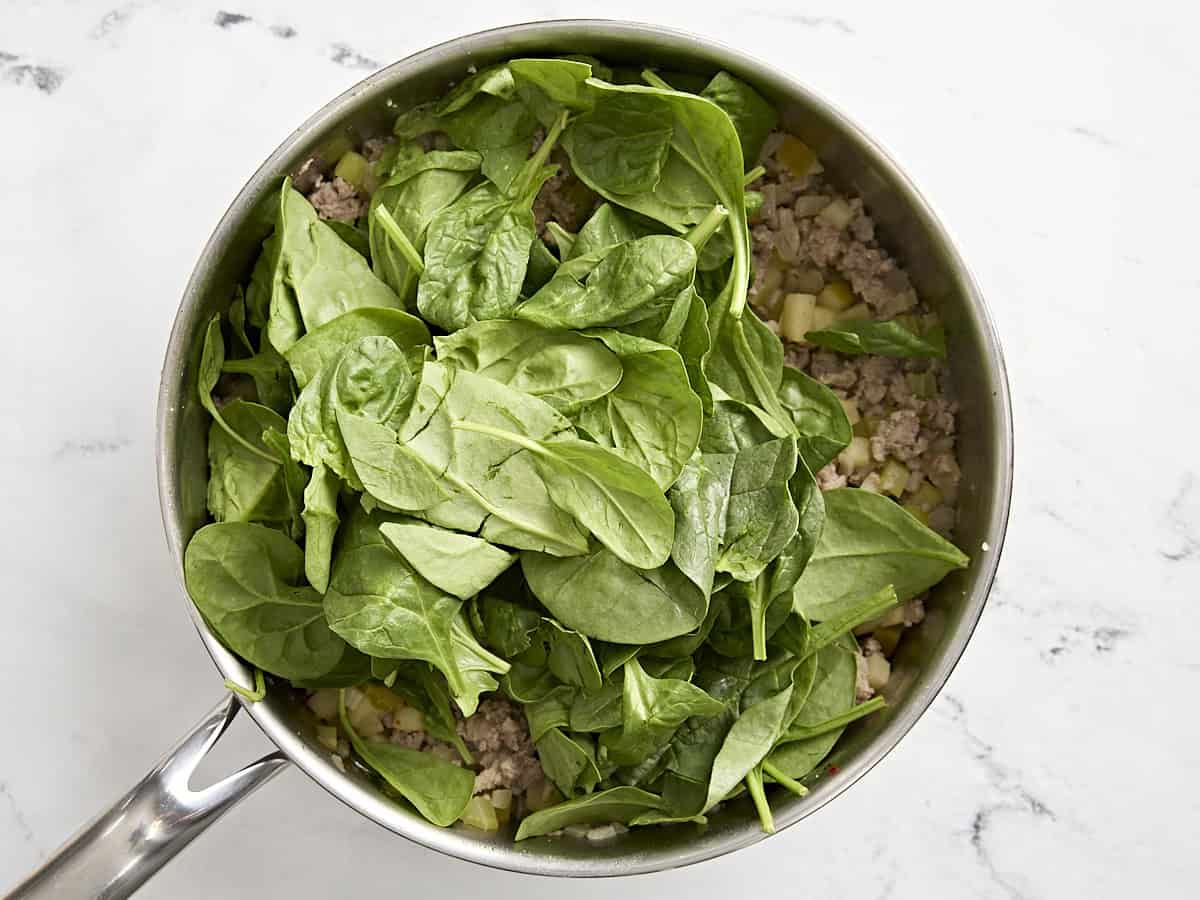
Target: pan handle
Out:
[112,856]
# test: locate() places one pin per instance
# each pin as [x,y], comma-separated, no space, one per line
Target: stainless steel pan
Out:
[115,854]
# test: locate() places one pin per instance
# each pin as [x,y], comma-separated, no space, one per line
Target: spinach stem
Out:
[804,732]
[754,174]
[529,172]
[250,696]
[784,779]
[703,230]
[652,79]
[754,784]
[399,238]
[871,607]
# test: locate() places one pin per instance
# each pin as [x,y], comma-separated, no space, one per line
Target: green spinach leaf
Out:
[313,352]
[559,367]
[822,429]
[459,564]
[879,338]
[868,543]
[753,117]
[247,580]
[652,418]
[320,525]
[618,804]
[656,604]
[440,790]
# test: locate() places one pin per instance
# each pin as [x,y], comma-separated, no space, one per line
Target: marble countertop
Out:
[1058,142]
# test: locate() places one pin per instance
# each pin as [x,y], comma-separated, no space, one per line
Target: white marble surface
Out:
[1058,141]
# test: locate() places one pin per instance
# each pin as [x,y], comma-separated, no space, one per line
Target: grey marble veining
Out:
[1058,143]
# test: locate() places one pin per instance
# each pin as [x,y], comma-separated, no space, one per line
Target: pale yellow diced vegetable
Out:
[927,498]
[851,408]
[796,320]
[838,213]
[366,719]
[327,737]
[324,704]
[823,318]
[352,167]
[836,295]
[855,313]
[335,148]
[383,699]
[796,155]
[856,456]
[888,638]
[893,478]
[480,814]
[872,483]
[502,802]
[879,670]
[408,719]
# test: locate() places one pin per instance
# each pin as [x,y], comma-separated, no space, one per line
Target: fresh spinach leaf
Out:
[753,117]
[618,502]
[440,790]
[212,358]
[415,193]
[547,86]
[272,378]
[870,542]
[879,338]
[569,657]
[569,761]
[247,580]
[618,804]
[633,281]
[507,627]
[747,744]
[244,486]
[605,229]
[832,694]
[651,418]
[700,499]
[651,710]
[477,249]
[497,490]
[620,144]
[313,352]
[551,711]
[559,367]
[459,564]
[320,525]
[318,271]
[597,711]
[822,429]
[656,604]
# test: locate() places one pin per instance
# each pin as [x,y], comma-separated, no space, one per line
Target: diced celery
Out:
[327,737]
[796,319]
[406,718]
[335,148]
[837,295]
[856,456]
[480,814]
[823,318]
[837,214]
[796,155]
[352,167]
[851,408]
[893,478]
[879,670]
[926,498]
[502,801]
[888,638]
[919,514]
[855,313]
